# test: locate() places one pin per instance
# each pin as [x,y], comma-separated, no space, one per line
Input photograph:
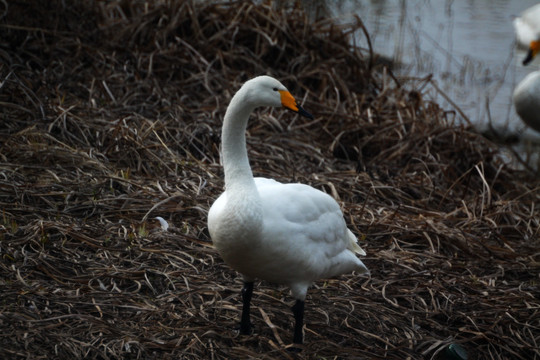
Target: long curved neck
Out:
[238,175]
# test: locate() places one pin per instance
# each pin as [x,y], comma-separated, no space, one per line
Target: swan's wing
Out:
[307,217]
[305,228]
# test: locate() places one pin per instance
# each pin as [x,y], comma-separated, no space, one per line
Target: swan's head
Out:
[534,48]
[267,91]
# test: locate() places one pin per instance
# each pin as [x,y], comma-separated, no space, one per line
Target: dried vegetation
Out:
[111,115]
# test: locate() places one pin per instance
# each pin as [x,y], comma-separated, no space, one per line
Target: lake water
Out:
[468,46]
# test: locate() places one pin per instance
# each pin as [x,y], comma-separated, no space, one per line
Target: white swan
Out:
[528,32]
[526,95]
[289,234]
[527,100]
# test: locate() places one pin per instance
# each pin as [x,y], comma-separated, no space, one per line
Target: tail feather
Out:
[353,244]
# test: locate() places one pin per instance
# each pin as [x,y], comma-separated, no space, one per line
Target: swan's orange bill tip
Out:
[288,101]
[534,49]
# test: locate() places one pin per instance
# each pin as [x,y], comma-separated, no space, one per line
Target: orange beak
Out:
[534,48]
[288,101]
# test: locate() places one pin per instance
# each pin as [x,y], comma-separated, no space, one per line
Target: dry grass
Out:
[111,115]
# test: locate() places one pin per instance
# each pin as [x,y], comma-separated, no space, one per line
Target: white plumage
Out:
[289,234]
[526,95]
[527,100]
[164,224]
[528,26]
[528,32]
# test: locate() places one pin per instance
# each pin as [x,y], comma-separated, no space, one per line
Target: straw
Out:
[111,116]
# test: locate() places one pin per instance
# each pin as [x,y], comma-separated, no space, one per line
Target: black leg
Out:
[245,323]
[298,311]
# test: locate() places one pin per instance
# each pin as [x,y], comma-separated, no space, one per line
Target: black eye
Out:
[275,89]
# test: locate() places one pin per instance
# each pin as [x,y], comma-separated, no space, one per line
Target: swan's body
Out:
[527,100]
[528,32]
[298,237]
[289,234]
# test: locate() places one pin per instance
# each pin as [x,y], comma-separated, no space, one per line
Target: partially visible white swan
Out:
[289,234]
[528,32]
[526,95]
[527,100]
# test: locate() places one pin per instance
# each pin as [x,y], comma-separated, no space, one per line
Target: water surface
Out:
[468,46]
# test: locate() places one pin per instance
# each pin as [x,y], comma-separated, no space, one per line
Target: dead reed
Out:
[111,115]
